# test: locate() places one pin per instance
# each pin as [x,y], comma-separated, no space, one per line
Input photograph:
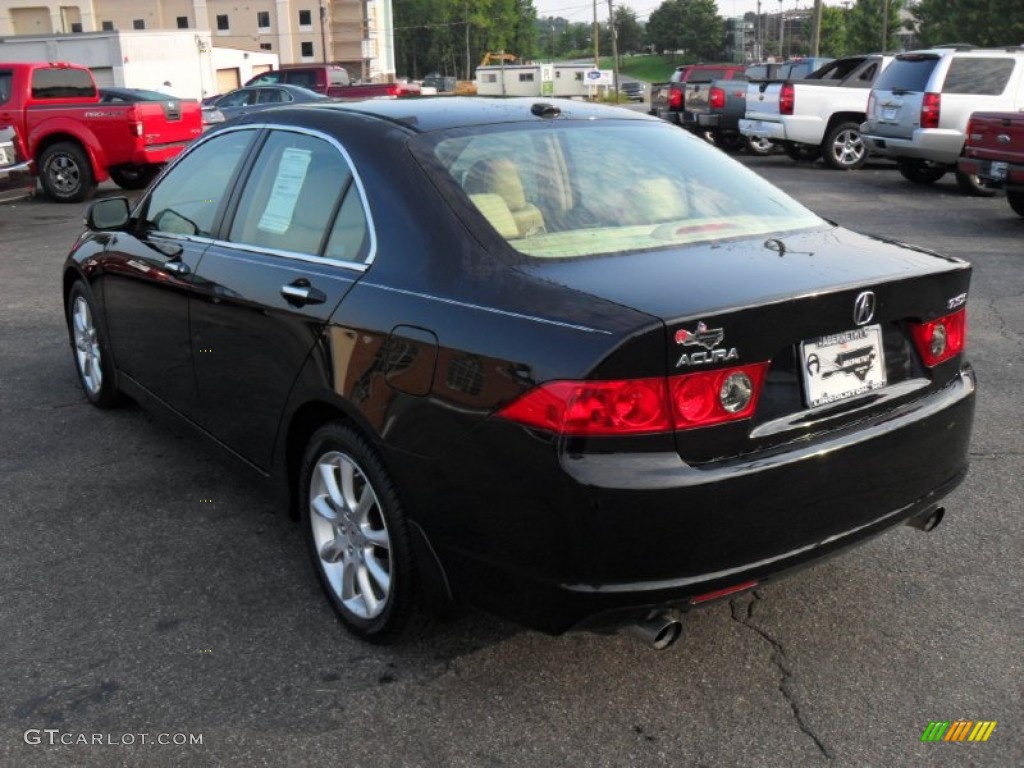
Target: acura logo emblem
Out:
[864,308]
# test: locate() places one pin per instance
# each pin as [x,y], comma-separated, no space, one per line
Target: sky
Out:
[582,10]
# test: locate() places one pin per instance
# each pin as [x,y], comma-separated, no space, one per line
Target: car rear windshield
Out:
[907,73]
[6,78]
[574,188]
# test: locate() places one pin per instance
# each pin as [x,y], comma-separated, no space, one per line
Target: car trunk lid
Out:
[790,302]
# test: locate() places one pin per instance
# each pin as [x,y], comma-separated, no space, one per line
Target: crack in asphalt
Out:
[1003,328]
[746,617]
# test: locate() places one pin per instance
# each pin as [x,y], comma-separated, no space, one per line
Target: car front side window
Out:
[187,199]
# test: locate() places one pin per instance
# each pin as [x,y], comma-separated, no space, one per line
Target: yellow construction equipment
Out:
[498,57]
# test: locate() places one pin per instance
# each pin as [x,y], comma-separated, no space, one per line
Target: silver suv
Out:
[919,106]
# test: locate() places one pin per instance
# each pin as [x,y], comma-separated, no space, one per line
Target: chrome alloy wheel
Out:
[349,534]
[87,346]
[848,148]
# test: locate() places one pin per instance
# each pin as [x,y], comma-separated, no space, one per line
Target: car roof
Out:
[436,113]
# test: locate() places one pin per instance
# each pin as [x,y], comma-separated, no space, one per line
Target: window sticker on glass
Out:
[291,172]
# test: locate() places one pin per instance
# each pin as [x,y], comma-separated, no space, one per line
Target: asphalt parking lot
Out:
[151,588]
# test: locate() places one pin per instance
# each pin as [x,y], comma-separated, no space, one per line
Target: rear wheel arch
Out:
[844,117]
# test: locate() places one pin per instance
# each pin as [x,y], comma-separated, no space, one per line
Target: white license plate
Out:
[843,365]
[888,113]
[5,159]
[997,171]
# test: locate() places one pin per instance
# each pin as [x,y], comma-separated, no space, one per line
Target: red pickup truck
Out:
[77,142]
[333,80]
[994,152]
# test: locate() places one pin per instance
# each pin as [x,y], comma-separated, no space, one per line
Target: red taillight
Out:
[713,397]
[640,406]
[973,133]
[787,98]
[716,98]
[939,340]
[675,98]
[930,106]
[630,406]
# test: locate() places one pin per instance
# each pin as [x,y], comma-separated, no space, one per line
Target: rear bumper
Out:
[1011,176]
[668,115]
[763,129]
[622,534]
[935,144]
[17,181]
[158,154]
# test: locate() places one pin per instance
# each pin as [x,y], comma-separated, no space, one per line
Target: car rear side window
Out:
[186,200]
[292,198]
[62,83]
[979,76]
[6,79]
[907,73]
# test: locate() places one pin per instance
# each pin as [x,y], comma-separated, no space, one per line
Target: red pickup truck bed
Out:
[77,142]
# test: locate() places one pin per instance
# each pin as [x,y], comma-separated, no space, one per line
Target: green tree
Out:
[693,26]
[986,23]
[833,31]
[629,30]
[431,35]
[864,24]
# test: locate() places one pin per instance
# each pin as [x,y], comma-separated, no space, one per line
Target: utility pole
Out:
[885,26]
[760,48]
[597,39]
[615,50]
[468,73]
[816,36]
[782,30]
[323,29]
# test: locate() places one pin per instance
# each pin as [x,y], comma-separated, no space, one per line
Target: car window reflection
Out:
[186,200]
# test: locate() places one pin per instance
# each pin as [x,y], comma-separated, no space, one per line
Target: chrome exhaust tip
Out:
[928,521]
[658,631]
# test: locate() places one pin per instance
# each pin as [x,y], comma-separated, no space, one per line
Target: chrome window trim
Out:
[358,266]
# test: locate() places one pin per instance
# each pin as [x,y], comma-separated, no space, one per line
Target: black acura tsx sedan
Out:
[558,361]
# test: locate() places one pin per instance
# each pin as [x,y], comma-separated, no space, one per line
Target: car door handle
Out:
[301,293]
[177,267]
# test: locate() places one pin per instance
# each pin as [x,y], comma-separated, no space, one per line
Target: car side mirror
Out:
[108,214]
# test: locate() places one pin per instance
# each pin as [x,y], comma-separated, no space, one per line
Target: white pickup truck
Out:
[820,114]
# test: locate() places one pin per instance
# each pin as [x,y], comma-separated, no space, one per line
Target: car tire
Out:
[844,148]
[801,152]
[1016,201]
[134,177]
[920,171]
[358,537]
[728,142]
[758,146]
[970,184]
[93,362]
[66,173]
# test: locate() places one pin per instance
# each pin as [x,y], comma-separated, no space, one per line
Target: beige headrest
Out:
[498,177]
